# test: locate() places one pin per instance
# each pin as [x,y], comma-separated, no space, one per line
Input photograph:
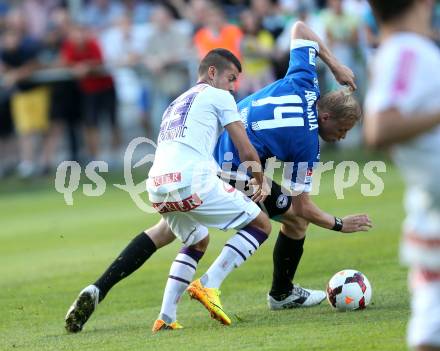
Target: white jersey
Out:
[189,131]
[406,76]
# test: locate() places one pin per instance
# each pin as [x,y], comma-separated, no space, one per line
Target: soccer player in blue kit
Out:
[281,121]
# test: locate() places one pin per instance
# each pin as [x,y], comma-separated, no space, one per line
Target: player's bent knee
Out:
[262,222]
[293,226]
[160,234]
[202,245]
[293,232]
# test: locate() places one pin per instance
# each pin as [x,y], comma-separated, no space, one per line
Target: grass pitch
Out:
[49,251]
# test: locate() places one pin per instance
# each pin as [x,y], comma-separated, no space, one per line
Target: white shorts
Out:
[424,325]
[188,214]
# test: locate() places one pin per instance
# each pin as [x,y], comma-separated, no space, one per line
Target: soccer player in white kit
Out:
[288,249]
[183,184]
[403,111]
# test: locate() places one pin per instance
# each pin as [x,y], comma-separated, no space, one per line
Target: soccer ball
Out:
[349,290]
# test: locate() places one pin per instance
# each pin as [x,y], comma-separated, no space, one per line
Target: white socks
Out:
[236,251]
[181,274]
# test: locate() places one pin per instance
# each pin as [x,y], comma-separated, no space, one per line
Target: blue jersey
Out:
[281,119]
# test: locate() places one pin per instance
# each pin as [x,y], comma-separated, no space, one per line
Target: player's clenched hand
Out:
[345,76]
[261,191]
[356,223]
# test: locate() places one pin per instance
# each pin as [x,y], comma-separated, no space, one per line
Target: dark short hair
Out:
[220,59]
[388,10]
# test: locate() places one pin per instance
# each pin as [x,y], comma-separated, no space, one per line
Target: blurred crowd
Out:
[79,78]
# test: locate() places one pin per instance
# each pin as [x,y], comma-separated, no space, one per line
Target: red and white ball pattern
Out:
[349,289]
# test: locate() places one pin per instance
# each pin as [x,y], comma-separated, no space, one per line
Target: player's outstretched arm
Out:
[388,127]
[304,207]
[342,73]
[247,153]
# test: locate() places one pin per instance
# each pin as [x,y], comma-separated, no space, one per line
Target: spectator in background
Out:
[371,32]
[257,48]
[436,22]
[7,159]
[342,30]
[269,13]
[342,33]
[64,111]
[99,15]
[165,58]
[233,8]
[294,6]
[357,8]
[311,19]
[123,45]
[4,8]
[217,33]
[139,11]
[29,102]
[36,15]
[82,53]
[7,144]
[282,52]
[194,11]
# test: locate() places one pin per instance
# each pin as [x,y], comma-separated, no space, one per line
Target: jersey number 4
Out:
[282,115]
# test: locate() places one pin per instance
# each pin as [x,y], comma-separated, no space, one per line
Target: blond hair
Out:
[341,106]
